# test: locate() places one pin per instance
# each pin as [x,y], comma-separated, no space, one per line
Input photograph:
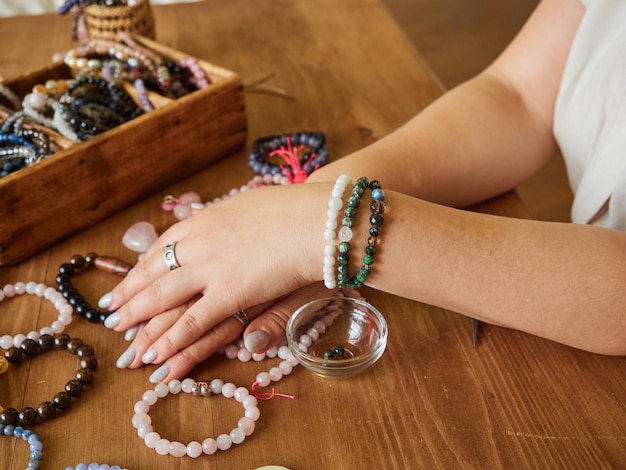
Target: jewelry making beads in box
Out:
[174,155]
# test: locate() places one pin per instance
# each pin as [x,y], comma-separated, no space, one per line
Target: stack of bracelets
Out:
[341,275]
[21,145]
[94,100]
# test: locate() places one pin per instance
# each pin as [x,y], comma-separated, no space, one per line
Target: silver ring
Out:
[242,317]
[170,257]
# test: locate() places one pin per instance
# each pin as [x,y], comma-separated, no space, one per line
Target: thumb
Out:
[268,329]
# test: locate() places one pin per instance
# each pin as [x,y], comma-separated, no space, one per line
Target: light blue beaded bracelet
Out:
[36,447]
[95,466]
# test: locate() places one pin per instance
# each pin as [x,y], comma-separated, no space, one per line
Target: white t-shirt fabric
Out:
[590,116]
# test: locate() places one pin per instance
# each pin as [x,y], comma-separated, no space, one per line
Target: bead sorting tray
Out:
[88,181]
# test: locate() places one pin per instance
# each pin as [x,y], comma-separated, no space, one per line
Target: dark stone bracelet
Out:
[79,263]
[73,389]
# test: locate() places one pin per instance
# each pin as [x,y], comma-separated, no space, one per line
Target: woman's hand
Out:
[187,312]
[265,330]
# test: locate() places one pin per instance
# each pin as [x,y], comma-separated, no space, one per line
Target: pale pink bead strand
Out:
[245,426]
[60,303]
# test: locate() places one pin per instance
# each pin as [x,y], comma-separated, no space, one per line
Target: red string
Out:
[268,396]
[290,155]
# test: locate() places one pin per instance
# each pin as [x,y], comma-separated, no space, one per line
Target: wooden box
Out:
[88,181]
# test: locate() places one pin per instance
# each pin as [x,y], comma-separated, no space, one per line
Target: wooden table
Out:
[432,401]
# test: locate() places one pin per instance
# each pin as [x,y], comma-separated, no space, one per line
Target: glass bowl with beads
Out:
[337,336]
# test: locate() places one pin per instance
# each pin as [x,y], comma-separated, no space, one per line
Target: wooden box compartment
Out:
[88,181]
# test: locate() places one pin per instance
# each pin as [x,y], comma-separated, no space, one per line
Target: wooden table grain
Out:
[432,401]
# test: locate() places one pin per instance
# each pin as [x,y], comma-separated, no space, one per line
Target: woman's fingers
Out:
[151,267]
[187,358]
[161,294]
[268,329]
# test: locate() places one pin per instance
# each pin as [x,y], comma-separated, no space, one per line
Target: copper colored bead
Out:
[28,416]
[112,265]
[90,363]
[74,344]
[62,400]
[30,347]
[74,388]
[46,411]
[84,376]
[13,355]
[4,364]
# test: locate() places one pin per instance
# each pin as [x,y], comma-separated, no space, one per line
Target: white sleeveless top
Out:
[590,115]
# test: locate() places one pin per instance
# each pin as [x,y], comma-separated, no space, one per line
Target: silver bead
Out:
[201,389]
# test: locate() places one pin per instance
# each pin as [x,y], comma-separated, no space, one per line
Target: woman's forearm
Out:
[560,281]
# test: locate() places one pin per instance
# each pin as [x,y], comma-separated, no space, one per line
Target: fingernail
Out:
[112,320]
[105,300]
[159,374]
[131,333]
[126,358]
[149,356]
[257,340]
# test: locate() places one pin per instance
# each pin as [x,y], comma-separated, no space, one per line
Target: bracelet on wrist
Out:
[377,207]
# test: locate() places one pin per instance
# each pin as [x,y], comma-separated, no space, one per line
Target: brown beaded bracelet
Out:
[62,400]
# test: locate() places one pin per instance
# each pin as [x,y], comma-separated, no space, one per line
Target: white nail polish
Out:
[149,356]
[112,320]
[105,300]
[159,374]
[257,341]
[126,358]
[130,333]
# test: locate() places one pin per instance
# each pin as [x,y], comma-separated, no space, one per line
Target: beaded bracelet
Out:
[95,466]
[377,207]
[78,263]
[92,106]
[36,447]
[335,203]
[245,427]
[73,388]
[282,145]
[41,290]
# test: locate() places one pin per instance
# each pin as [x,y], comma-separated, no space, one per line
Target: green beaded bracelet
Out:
[377,207]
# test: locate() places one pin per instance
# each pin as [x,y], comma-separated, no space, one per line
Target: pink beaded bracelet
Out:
[41,290]
[245,427]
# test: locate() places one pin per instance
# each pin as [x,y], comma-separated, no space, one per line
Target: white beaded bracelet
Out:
[335,203]
[41,290]
[245,427]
